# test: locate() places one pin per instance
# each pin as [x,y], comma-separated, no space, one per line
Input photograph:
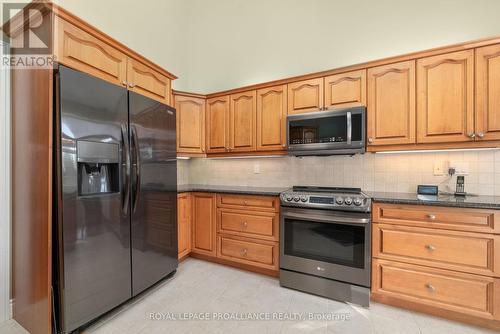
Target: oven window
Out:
[325,242]
[321,130]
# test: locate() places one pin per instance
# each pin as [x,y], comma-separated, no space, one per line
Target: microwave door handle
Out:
[330,218]
[349,128]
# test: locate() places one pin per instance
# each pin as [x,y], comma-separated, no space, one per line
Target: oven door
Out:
[327,132]
[330,244]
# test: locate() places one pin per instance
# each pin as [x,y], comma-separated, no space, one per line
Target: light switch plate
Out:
[440,168]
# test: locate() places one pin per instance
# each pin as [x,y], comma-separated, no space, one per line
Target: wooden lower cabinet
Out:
[184,218]
[461,251]
[472,295]
[232,229]
[203,235]
[260,253]
[439,260]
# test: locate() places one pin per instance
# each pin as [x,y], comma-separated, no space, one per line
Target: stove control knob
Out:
[348,201]
[303,199]
[289,198]
[358,201]
[296,198]
[339,200]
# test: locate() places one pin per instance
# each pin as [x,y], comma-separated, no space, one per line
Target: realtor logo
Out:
[27,30]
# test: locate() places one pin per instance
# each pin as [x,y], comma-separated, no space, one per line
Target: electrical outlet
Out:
[256,168]
[461,167]
[440,168]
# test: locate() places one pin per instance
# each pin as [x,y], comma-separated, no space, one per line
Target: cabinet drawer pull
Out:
[245,224]
[244,252]
[430,287]
[430,247]
[432,217]
[245,202]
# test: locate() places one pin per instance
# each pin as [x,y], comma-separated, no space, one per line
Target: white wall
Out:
[232,43]
[4,193]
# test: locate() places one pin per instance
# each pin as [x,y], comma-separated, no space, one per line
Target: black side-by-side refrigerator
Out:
[115,188]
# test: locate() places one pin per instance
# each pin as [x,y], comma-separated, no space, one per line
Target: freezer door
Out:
[93,229]
[153,191]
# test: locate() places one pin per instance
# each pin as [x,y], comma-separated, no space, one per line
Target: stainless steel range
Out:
[325,242]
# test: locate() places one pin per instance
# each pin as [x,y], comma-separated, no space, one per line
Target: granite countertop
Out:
[269,191]
[471,201]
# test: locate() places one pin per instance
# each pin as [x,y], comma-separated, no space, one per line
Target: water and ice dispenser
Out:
[98,167]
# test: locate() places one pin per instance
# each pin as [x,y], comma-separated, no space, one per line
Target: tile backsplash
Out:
[394,172]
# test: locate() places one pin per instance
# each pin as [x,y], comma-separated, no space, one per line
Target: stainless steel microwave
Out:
[340,131]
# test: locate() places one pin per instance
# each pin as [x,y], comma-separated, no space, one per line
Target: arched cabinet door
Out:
[488,93]
[305,96]
[271,118]
[345,90]
[190,124]
[242,119]
[391,104]
[217,118]
[445,98]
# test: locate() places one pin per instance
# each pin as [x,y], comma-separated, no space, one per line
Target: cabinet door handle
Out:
[124,83]
[480,135]
[245,224]
[431,217]
[430,247]
[131,85]
[471,135]
[370,140]
[244,252]
[430,287]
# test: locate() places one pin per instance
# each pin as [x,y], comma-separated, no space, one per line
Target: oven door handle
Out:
[328,218]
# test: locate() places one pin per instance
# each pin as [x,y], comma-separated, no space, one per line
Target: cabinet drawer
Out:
[263,254]
[84,52]
[246,202]
[460,219]
[465,293]
[258,225]
[462,251]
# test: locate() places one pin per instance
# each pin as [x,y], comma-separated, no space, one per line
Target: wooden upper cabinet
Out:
[345,90]
[146,81]
[391,104]
[488,93]
[217,119]
[184,214]
[242,119]
[204,223]
[305,96]
[82,51]
[445,98]
[190,124]
[271,118]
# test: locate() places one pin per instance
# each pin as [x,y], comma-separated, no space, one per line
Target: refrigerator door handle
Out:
[126,166]
[137,166]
